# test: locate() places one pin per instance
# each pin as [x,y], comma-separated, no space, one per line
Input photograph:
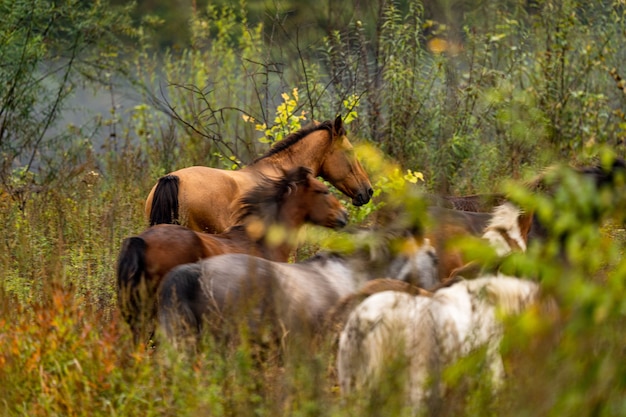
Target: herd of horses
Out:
[216,257]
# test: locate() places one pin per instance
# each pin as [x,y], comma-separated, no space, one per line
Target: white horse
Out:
[427,333]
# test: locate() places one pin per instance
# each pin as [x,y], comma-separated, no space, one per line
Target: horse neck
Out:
[290,221]
[292,214]
[308,152]
[279,252]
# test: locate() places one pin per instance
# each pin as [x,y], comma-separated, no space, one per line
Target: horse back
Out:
[208,198]
[234,240]
[240,290]
[167,246]
[338,314]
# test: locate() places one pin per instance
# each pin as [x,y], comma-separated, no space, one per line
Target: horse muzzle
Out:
[363,197]
[341,220]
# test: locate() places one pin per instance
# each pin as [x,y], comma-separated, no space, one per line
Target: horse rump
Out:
[165,201]
[178,297]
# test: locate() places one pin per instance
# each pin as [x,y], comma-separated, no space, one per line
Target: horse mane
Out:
[323,257]
[296,136]
[503,229]
[265,199]
[393,253]
[371,245]
[504,216]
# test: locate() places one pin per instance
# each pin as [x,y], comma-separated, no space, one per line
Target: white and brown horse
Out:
[506,229]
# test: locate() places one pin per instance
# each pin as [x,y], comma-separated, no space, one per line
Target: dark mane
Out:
[265,199]
[295,137]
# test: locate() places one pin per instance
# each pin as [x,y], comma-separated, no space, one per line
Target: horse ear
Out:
[338,127]
[300,175]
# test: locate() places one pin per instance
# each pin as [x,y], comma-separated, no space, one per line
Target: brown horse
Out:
[205,199]
[288,202]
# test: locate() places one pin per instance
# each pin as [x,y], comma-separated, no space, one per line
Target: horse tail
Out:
[132,290]
[165,201]
[178,295]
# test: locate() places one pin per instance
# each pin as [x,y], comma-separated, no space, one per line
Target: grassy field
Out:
[65,351]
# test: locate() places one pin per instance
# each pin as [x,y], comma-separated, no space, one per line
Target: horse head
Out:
[310,199]
[291,200]
[342,168]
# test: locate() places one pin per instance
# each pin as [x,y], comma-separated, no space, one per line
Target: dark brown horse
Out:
[270,214]
[205,199]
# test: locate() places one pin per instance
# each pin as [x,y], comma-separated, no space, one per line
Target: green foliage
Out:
[285,122]
[581,265]
[46,48]
[206,88]
[529,84]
